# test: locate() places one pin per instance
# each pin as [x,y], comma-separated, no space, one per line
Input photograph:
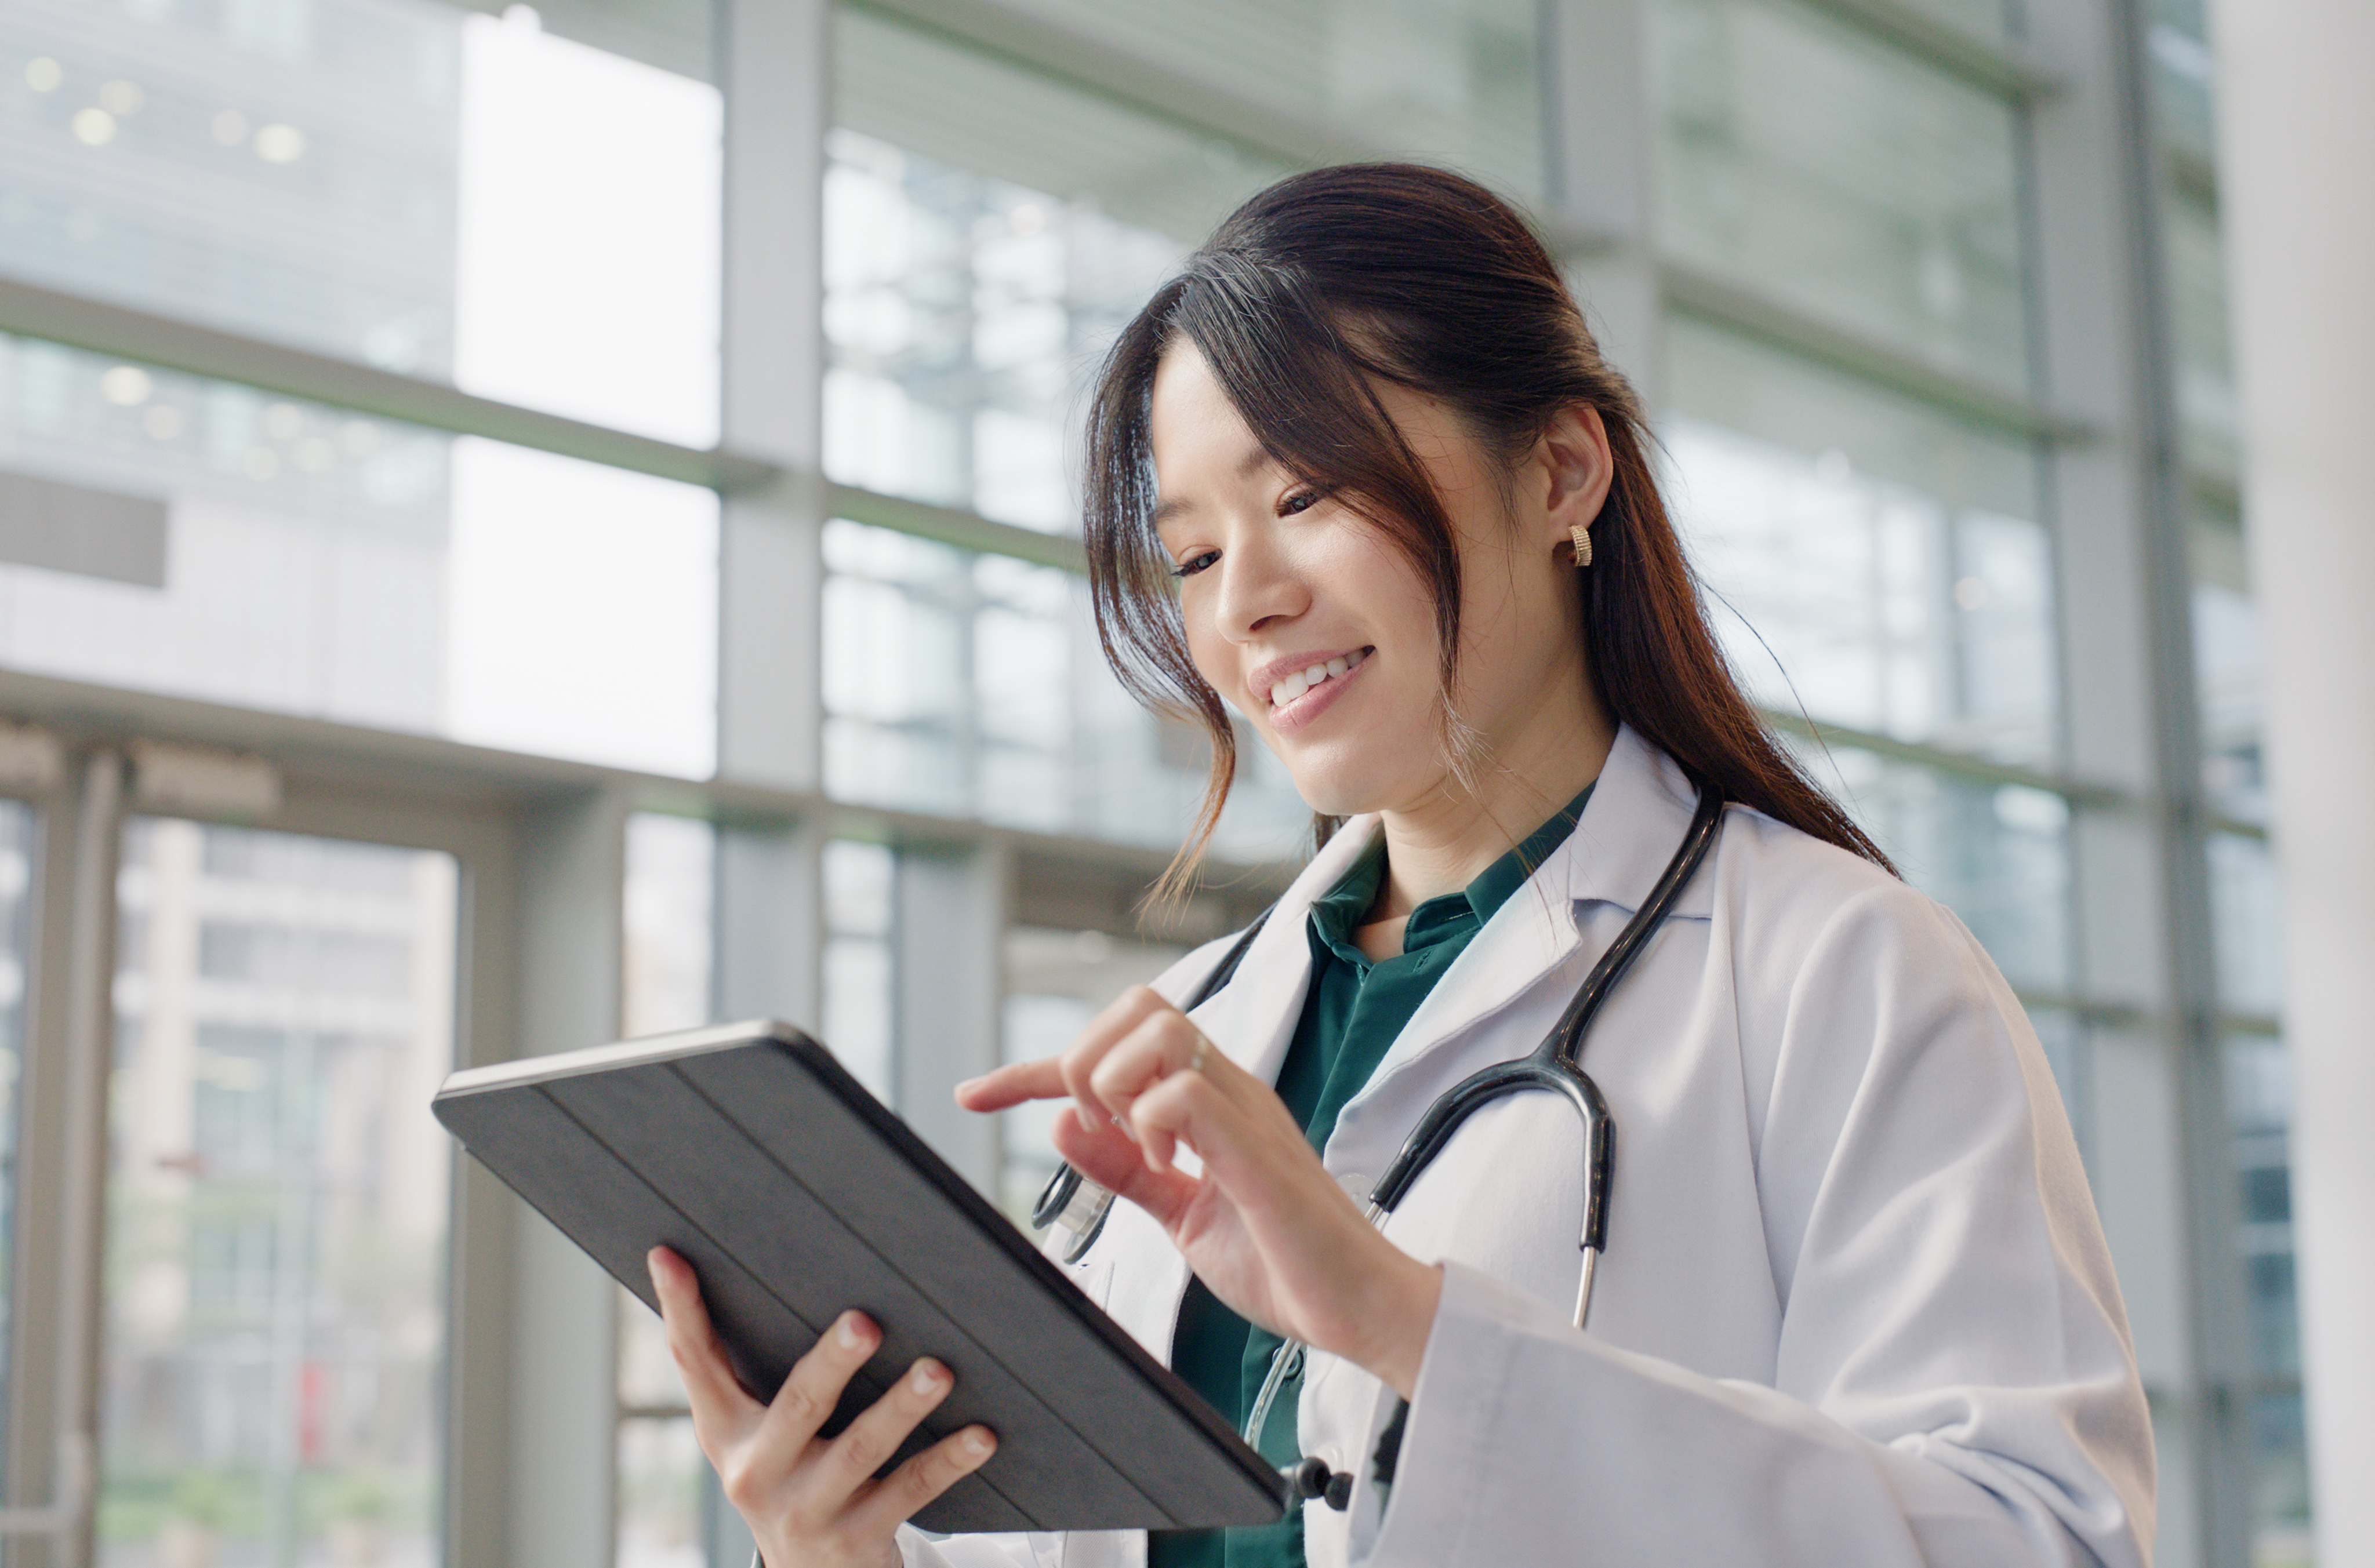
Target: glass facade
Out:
[1813,162]
[1847,344]
[277,1200]
[396,181]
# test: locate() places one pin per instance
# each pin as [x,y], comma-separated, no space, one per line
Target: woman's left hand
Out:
[1264,1226]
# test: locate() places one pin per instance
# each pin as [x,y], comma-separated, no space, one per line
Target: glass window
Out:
[2183,68]
[277,1200]
[1056,981]
[2246,915]
[2209,408]
[2226,673]
[397,181]
[859,895]
[973,685]
[986,232]
[1810,162]
[16,917]
[1450,80]
[289,556]
[1996,854]
[1873,563]
[2259,1108]
[669,893]
[662,1477]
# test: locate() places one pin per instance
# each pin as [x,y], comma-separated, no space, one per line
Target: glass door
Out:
[277,1202]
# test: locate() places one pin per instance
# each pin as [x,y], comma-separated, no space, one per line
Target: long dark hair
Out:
[1305,298]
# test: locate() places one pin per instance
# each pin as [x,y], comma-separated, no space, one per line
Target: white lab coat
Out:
[1856,1312]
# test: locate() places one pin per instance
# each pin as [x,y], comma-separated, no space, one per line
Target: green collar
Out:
[1336,914]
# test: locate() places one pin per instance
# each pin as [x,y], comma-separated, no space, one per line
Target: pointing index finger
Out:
[1013,1084]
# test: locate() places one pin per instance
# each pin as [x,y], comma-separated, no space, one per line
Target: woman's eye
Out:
[1300,501]
[1195,563]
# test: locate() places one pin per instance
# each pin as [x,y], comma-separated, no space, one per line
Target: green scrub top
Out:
[1353,1012]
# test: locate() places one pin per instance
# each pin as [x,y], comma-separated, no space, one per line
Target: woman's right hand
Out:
[812,1501]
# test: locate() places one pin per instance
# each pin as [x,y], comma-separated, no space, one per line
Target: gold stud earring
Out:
[1582,547]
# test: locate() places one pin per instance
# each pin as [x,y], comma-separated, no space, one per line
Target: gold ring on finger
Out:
[1196,1062]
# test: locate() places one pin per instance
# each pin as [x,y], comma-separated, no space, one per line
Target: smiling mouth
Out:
[1295,685]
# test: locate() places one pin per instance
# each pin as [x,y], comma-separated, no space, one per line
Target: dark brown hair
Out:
[1327,284]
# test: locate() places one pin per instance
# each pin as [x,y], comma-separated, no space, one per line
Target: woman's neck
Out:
[1443,843]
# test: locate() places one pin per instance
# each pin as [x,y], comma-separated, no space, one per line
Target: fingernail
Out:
[977,1442]
[969,1083]
[847,1332]
[926,1377]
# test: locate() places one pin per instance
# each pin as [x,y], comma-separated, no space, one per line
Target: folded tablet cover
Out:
[795,1195]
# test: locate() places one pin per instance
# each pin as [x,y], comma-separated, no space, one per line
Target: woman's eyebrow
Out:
[1255,460]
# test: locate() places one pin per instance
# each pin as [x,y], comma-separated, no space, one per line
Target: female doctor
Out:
[1361,474]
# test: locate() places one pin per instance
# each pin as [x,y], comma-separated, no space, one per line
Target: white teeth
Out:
[1295,685]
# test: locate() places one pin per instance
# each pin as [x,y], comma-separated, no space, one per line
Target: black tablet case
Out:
[795,1195]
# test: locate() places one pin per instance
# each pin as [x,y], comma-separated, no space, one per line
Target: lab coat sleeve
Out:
[1954,1386]
[918,1550]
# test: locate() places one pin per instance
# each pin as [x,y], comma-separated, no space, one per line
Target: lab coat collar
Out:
[1253,1018]
[1630,828]
[1637,814]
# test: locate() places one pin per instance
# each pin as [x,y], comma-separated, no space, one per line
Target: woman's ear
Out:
[1577,469]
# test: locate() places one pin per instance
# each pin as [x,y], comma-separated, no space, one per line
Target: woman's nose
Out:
[1258,586]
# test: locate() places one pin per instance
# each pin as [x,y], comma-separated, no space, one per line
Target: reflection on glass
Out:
[2259,1109]
[1874,563]
[277,1200]
[16,883]
[2227,675]
[322,563]
[390,181]
[987,231]
[1867,602]
[1996,854]
[2183,68]
[660,1471]
[2210,413]
[668,894]
[1453,82]
[962,313]
[1809,161]
[859,897]
[973,686]
[1056,981]
[2247,918]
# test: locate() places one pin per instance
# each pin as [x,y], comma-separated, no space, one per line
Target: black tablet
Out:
[795,1195]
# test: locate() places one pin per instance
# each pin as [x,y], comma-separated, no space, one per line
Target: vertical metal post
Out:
[1599,123]
[2160,1144]
[563,1383]
[62,1203]
[2300,220]
[774,63]
[949,921]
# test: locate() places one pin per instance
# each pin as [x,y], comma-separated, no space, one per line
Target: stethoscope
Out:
[1081,1206]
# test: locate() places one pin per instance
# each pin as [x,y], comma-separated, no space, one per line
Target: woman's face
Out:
[1281,586]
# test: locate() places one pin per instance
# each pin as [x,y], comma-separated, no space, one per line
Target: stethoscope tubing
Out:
[1552,1066]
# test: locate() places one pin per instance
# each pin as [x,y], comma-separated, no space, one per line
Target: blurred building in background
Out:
[519,525]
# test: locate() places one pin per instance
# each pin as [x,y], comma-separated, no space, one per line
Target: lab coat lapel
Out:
[1253,1018]
[1628,833]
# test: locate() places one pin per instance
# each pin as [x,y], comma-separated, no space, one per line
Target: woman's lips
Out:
[1299,712]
